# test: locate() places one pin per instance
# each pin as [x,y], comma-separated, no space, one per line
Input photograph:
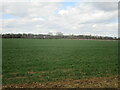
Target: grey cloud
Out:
[106,6]
[87,18]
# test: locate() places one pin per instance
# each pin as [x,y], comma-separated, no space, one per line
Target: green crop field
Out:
[45,60]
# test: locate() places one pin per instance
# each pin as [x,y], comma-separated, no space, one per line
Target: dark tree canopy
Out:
[58,35]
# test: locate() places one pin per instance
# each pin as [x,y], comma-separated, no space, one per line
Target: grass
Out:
[38,60]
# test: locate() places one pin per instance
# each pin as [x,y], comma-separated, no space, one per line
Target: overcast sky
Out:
[68,17]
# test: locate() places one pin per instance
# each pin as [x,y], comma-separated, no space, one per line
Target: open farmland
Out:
[45,60]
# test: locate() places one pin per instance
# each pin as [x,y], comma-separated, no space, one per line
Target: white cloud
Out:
[30,9]
[84,18]
[32,1]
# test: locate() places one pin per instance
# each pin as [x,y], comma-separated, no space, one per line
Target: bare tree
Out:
[50,33]
[59,34]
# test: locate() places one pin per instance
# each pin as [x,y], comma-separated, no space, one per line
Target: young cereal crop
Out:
[45,60]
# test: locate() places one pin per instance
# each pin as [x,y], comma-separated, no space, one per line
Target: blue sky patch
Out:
[67,4]
[9,16]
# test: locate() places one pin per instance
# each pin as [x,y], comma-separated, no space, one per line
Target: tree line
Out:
[58,35]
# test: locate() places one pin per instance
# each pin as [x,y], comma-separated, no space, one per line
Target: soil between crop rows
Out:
[95,82]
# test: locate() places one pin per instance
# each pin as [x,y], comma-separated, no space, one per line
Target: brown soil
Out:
[33,72]
[93,39]
[20,77]
[101,82]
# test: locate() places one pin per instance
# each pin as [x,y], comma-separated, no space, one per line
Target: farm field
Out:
[45,60]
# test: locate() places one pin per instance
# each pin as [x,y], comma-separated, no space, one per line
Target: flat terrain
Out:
[101,82]
[45,61]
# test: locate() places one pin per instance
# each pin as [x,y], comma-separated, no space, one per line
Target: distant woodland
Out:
[58,35]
